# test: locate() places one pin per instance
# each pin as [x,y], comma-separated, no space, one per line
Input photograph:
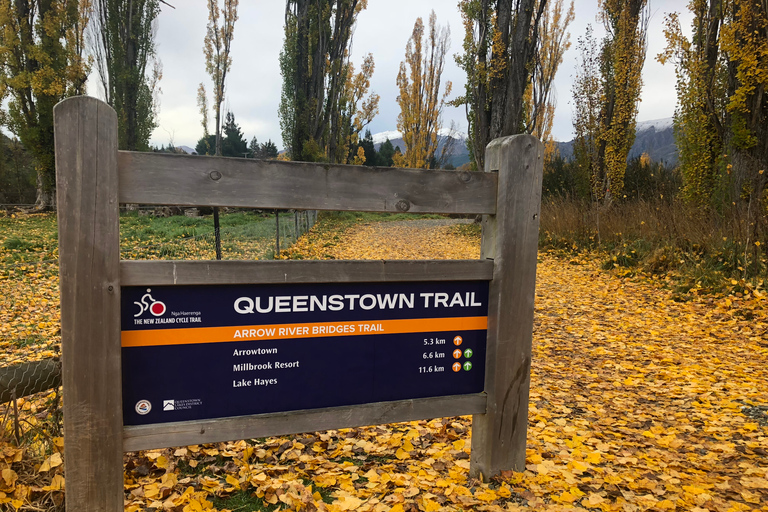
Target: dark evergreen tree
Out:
[254,148]
[206,145]
[268,150]
[371,156]
[387,153]
[234,143]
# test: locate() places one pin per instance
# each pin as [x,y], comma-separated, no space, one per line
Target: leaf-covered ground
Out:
[638,402]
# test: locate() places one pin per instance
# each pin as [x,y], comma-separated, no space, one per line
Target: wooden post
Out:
[89,257]
[510,239]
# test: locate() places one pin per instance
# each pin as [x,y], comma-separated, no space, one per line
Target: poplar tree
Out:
[554,40]
[216,46]
[353,113]
[605,136]
[124,53]
[721,123]
[41,63]
[501,38]
[320,111]
[701,114]
[421,103]
[588,94]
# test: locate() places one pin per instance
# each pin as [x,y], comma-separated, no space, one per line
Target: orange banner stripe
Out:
[192,335]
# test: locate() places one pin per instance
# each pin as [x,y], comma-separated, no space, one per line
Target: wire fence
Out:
[30,375]
[242,236]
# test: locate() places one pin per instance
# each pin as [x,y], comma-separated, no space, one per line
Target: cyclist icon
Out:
[155,307]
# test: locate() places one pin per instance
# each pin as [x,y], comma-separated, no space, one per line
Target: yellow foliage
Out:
[632,407]
[420,102]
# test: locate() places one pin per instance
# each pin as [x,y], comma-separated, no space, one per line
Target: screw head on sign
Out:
[458,340]
[456,366]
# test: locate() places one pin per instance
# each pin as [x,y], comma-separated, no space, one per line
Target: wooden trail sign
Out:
[421,339]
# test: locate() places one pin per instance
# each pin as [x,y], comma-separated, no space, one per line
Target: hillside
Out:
[654,137]
[456,154]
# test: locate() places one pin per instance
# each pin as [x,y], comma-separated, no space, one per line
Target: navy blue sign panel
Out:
[203,352]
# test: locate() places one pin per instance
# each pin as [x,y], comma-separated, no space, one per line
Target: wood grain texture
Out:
[248,427]
[152,178]
[510,238]
[154,273]
[86,179]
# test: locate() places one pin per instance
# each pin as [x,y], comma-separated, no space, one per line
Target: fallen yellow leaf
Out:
[51,462]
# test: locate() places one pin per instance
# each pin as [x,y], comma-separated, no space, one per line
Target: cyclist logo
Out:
[155,307]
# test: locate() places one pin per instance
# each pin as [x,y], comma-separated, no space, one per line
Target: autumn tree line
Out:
[511,51]
[48,48]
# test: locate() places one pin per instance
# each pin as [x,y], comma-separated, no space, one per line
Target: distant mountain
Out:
[186,149]
[657,138]
[457,153]
[654,137]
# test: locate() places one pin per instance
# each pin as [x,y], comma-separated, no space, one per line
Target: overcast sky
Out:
[253,85]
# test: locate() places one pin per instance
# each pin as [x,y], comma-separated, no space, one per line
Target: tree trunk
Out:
[46,197]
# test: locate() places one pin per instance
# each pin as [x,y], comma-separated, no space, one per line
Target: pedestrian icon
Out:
[458,340]
[468,353]
[457,353]
[467,366]
[456,366]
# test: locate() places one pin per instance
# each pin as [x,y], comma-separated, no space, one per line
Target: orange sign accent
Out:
[457,353]
[458,340]
[194,335]
[456,366]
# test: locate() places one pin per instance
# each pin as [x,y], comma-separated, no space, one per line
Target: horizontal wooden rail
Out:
[154,273]
[151,178]
[147,437]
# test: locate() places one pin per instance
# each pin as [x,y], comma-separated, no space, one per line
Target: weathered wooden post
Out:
[89,258]
[510,239]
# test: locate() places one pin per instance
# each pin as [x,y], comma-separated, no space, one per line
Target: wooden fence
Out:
[94,178]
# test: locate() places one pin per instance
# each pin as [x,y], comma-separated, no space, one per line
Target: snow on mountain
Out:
[658,124]
[393,135]
[381,137]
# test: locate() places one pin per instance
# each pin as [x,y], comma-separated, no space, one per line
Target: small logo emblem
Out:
[143,407]
[155,307]
[458,340]
[169,405]
[456,366]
